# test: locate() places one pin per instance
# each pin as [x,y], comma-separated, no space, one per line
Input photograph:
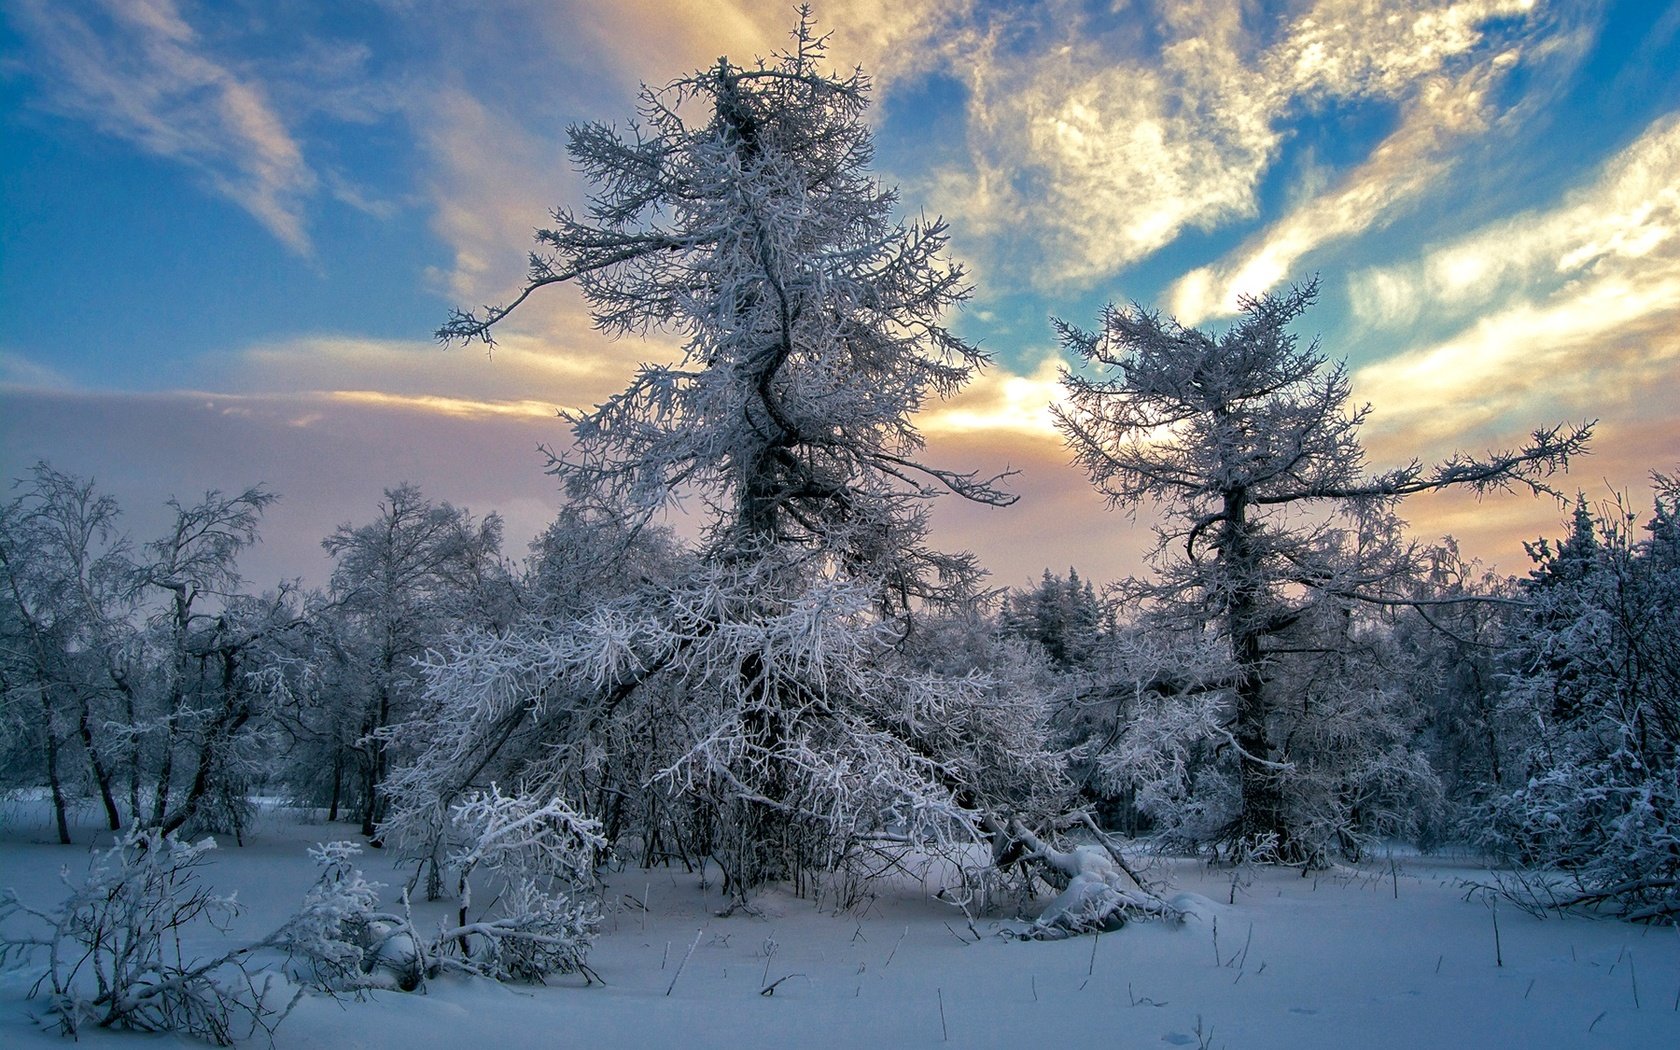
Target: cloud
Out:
[1559,314]
[446,406]
[1400,170]
[144,448]
[657,41]
[1108,141]
[1624,222]
[20,372]
[492,182]
[526,373]
[138,71]
[1575,307]
[1000,401]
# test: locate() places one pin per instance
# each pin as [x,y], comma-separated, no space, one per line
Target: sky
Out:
[228,231]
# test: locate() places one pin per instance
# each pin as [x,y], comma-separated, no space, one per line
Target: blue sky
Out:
[228,229]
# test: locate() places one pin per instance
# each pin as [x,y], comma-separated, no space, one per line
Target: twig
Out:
[944,1033]
[1243,955]
[1498,951]
[894,951]
[1092,967]
[1145,1001]
[684,962]
[770,989]
[959,936]
[1597,1019]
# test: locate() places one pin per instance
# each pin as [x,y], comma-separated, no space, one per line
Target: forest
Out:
[737,654]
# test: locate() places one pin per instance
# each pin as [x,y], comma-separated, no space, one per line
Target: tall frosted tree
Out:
[1248,440]
[784,731]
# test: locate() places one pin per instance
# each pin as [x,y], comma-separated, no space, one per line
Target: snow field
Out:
[1334,960]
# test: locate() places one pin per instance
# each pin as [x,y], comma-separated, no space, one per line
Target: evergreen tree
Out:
[1248,440]
[789,731]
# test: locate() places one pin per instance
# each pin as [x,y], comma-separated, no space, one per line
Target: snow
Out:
[1364,957]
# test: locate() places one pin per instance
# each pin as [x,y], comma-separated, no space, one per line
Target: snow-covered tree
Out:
[67,639]
[400,583]
[1063,616]
[1594,673]
[1248,440]
[1451,645]
[207,642]
[765,689]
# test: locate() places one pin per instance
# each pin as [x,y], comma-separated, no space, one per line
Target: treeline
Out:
[1535,716]
[148,677]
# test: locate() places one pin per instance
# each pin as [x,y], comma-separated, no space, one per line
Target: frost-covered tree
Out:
[1451,645]
[766,687]
[1594,673]
[1063,616]
[206,641]
[67,639]
[1248,440]
[400,583]
[150,669]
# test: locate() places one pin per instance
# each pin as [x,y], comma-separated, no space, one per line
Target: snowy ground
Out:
[1332,961]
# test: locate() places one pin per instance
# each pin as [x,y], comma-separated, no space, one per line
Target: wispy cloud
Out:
[446,406]
[1110,141]
[23,373]
[137,70]
[547,369]
[1406,165]
[999,401]
[1566,312]
[1625,221]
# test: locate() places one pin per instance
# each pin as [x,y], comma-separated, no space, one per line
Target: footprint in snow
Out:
[1178,1039]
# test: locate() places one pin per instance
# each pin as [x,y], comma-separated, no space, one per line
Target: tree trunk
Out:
[52,769]
[337,783]
[375,811]
[217,735]
[1260,820]
[101,776]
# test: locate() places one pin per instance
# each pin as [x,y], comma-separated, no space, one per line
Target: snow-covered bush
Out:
[544,914]
[114,947]
[1097,889]
[335,938]
[538,856]
[705,711]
